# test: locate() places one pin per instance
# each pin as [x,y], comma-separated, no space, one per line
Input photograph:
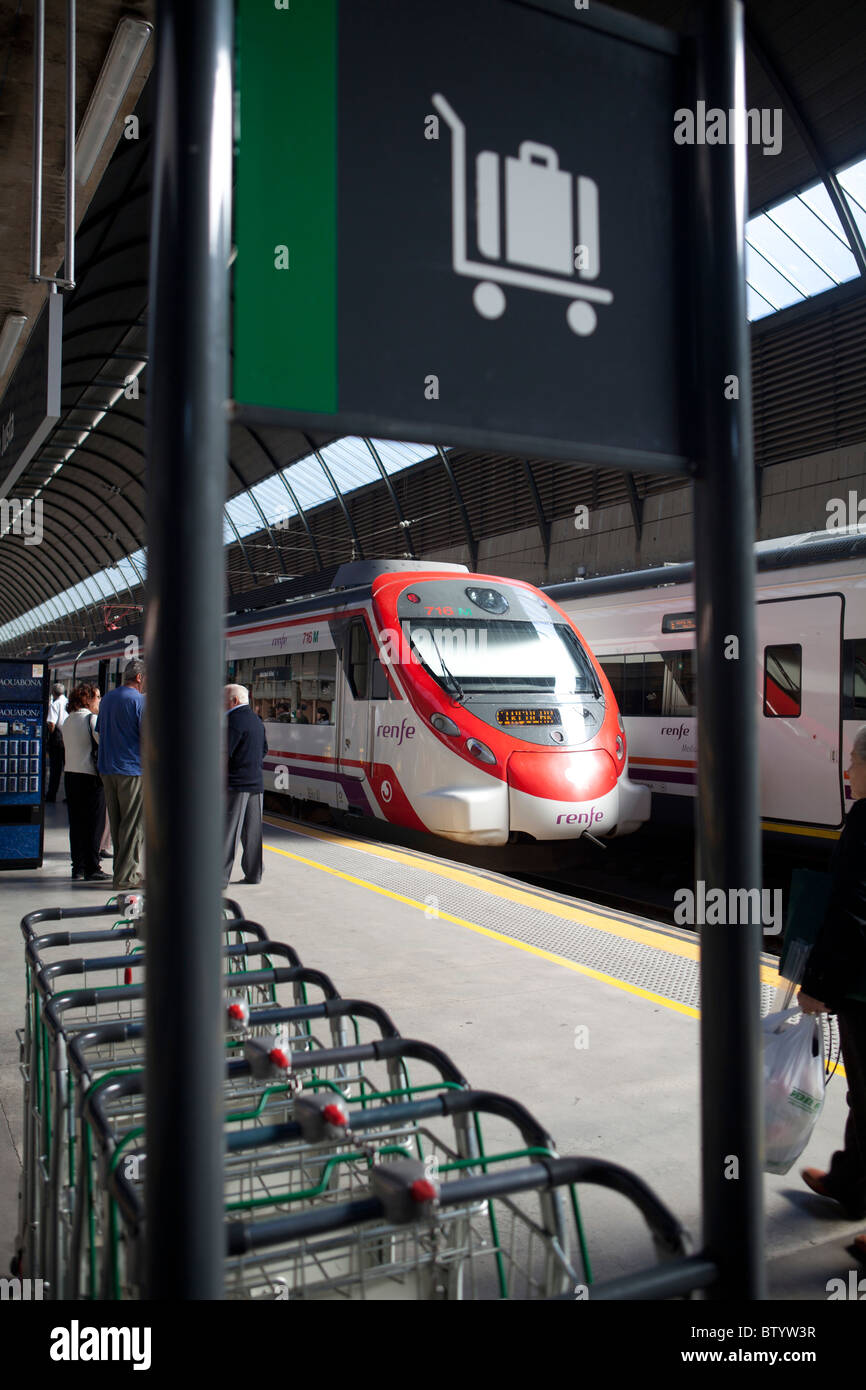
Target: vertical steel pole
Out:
[728,813]
[183,773]
[38,112]
[69,266]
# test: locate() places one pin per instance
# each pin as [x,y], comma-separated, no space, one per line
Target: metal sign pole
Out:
[183,773]
[728,856]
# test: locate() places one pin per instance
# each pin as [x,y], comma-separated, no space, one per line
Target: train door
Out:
[102,678]
[353,734]
[799,669]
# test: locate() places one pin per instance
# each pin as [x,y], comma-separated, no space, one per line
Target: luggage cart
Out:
[48,1130]
[32,1056]
[282,1161]
[387,1235]
[512,1237]
[547,228]
[256,1096]
[343,1178]
[43,1056]
[127,926]
[61,1188]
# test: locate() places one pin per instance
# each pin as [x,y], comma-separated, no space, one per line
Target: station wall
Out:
[803,494]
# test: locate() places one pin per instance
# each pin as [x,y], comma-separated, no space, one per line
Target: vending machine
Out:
[23,711]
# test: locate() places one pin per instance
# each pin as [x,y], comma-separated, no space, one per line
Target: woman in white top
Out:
[85,797]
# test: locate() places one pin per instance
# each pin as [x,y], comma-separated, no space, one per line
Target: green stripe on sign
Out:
[285,311]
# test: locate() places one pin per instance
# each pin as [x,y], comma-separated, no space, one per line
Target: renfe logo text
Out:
[396,731]
[580,817]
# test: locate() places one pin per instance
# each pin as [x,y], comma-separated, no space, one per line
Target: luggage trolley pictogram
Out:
[546,226]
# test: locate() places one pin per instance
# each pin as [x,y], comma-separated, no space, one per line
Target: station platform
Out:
[587,1015]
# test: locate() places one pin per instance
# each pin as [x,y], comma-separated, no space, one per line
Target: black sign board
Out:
[462,223]
[272,674]
[23,710]
[31,403]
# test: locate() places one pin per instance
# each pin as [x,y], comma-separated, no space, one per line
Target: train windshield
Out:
[503,657]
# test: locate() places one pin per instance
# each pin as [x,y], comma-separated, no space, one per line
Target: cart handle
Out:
[77,965]
[61,914]
[57,914]
[329,1008]
[35,944]
[670,1239]
[93,1037]
[125,1030]
[381,1050]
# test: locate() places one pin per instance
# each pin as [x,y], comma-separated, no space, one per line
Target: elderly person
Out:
[85,798]
[246,746]
[835,982]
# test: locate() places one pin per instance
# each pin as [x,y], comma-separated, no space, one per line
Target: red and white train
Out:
[420,694]
[810,677]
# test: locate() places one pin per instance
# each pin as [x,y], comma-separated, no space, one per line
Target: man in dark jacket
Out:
[246,746]
[835,982]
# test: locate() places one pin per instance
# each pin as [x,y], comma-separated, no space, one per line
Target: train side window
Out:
[652,683]
[854,680]
[679,693]
[358,665]
[613,668]
[632,701]
[654,679]
[783,681]
[380,689]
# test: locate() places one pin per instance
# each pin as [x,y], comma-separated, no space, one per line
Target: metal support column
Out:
[38,118]
[183,768]
[728,815]
[71,61]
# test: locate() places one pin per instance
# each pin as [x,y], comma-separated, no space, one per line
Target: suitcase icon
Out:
[550,224]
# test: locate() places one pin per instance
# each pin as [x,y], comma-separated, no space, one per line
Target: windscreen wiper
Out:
[452,684]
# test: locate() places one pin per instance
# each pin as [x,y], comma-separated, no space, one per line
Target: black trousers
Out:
[56,759]
[847,1174]
[85,801]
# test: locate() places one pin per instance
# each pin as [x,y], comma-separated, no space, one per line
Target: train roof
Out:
[349,583]
[787,552]
[349,580]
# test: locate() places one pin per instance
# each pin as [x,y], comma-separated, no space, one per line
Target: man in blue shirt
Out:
[119,732]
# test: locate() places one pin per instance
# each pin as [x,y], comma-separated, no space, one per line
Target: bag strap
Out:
[94,746]
[789,994]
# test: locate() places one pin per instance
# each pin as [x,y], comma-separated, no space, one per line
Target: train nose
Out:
[555,795]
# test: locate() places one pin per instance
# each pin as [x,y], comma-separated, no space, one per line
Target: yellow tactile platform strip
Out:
[656,963]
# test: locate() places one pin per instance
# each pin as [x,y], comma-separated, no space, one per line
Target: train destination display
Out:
[509,717]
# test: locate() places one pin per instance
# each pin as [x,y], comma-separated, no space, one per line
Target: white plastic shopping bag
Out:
[793,1084]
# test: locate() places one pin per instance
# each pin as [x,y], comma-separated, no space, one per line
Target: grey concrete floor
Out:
[508,1018]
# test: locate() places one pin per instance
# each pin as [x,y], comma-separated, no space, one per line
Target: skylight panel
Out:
[769,282]
[787,256]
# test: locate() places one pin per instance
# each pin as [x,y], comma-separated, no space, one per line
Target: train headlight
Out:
[620,723]
[444,724]
[620,746]
[488,599]
[480,750]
